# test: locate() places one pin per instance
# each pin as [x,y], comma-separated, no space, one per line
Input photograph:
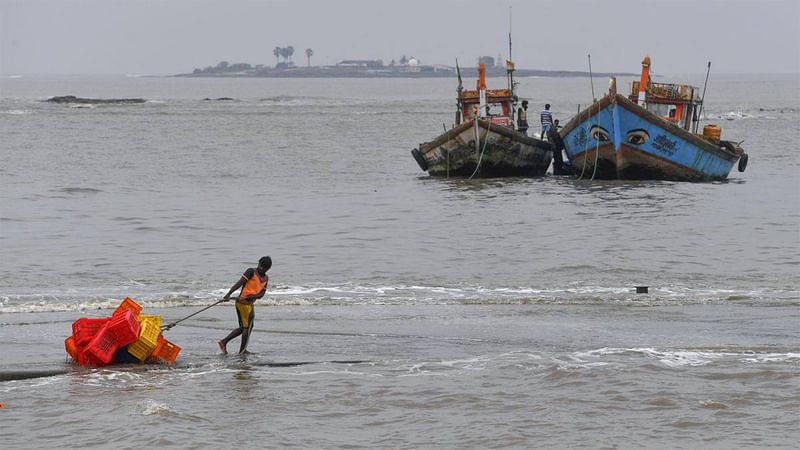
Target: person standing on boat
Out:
[547,120]
[253,284]
[558,145]
[522,118]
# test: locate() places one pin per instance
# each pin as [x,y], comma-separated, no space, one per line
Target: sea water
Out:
[403,311]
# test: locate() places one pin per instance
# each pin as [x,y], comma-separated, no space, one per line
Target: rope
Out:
[598,143]
[167,327]
[586,146]
[486,141]
[596,157]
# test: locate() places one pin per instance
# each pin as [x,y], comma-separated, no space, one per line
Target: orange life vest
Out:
[254,285]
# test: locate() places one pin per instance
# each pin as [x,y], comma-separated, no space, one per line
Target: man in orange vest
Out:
[254,285]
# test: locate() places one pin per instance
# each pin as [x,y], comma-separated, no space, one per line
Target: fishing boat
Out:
[651,135]
[483,142]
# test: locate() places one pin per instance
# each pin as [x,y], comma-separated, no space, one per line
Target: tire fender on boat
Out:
[420,160]
[742,162]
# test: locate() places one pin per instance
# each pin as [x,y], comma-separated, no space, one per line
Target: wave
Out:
[689,357]
[150,407]
[71,300]
[755,113]
[79,190]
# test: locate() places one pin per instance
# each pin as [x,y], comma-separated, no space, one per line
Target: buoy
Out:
[712,132]
[2,405]
[641,289]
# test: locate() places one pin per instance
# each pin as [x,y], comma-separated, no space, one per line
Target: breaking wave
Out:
[284,295]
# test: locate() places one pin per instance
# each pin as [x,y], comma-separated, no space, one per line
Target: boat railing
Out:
[667,91]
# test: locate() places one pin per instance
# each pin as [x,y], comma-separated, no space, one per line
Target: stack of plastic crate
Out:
[126,337]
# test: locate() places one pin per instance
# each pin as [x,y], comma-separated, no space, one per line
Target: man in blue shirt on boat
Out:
[547,121]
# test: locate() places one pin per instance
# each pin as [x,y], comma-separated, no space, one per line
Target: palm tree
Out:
[309,54]
[277,52]
[290,51]
[285,53]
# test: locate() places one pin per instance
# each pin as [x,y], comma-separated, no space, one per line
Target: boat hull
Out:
[618,139]
[500,152]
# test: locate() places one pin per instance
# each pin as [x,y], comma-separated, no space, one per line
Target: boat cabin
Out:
[675,103]
[498,104]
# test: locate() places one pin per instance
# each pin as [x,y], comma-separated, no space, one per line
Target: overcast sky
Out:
[173,36]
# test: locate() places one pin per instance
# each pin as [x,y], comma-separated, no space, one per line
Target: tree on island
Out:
[287,53]
[309,54]
[277,52]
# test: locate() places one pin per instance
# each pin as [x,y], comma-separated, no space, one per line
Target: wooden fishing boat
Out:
[648,136]
[483,142]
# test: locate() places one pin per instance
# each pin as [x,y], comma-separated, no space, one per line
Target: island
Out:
[405,67]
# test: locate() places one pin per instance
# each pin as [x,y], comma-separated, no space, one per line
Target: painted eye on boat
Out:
[599,133]
[637,137]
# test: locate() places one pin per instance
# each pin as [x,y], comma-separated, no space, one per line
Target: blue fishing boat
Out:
[648,136]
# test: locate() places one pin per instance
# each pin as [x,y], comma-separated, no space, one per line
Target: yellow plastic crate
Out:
[148,338]
[142,317]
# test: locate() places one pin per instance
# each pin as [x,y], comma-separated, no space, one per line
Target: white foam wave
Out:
[771,357]
[735,115]
[150,407]
[670,358]
[71,300]
[16,112]
[690,357]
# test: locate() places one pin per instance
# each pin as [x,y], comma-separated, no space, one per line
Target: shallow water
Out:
[483,313]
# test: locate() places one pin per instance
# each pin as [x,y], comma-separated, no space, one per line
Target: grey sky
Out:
[160,36]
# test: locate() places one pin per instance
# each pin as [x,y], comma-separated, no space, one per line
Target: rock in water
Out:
[94,101]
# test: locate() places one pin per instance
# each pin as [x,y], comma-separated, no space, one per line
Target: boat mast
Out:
[591,78]
[703,98]
[459,89]
[509,64]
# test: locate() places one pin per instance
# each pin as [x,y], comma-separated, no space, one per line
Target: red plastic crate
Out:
[87,359]
[125,328]
[102,346]
[83,329]
[128,304]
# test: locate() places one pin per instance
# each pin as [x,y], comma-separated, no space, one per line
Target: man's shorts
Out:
[246,314]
